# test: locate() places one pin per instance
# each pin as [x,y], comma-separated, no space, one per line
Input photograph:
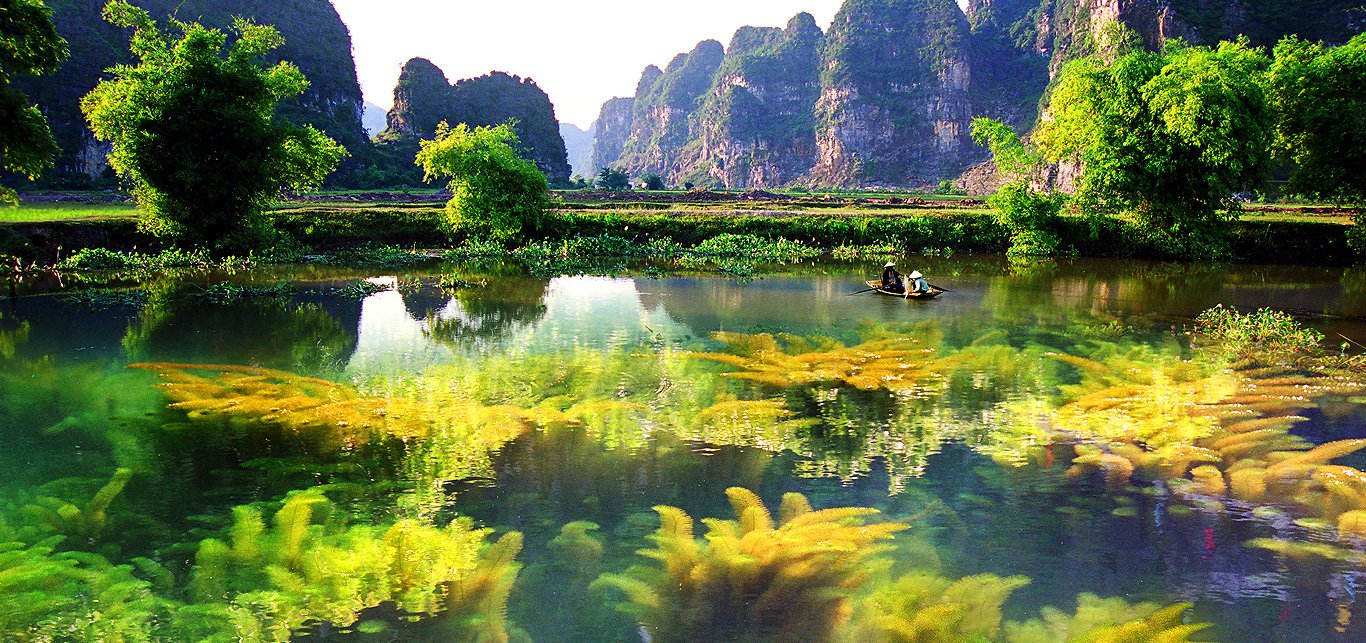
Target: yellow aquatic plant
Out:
[898,363]
[922,607]
[1106,620]
[753,578]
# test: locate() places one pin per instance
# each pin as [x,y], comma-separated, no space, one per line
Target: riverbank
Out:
[1309,235]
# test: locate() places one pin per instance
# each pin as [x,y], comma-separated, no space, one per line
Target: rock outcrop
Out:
[755,127]
[614,128]
[886,97]
[423,98]
[316,40]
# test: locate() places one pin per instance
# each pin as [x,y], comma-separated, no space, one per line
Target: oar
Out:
[863,291]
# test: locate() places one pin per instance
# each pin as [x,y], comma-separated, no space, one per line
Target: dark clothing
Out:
[891,280]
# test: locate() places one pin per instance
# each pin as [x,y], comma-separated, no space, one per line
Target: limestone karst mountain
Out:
[886,95]
[423,98]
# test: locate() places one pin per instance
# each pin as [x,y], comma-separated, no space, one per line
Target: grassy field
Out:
[797,205]
[45,212]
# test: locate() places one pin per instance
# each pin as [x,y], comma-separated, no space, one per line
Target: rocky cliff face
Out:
[614,128]
[315,39]
[886,97]
[1074,28]
[659,115]
[894,103]
[423,98]
[755,126]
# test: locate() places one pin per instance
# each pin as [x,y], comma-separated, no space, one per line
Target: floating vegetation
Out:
[106,298]
[360,289]
[1263,330]
[224,293]
[754,578]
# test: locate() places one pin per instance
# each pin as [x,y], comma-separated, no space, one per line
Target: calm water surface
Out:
[525,404]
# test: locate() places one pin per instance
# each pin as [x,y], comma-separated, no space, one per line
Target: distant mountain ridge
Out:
[886,95]
[578,144]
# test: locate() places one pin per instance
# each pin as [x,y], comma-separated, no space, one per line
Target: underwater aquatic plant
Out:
[268,583]
[73,596]
[338,414]
[55,515]
[1108,620]
[754,578]
[924,607]
[892,363]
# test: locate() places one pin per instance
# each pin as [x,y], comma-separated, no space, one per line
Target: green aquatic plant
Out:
[1107,620]
[1263,330]
[50,595]
[224,292]
[59,516]
[269,583]
[927,608]
[753,578]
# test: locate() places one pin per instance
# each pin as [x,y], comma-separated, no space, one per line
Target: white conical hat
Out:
[916,275]
[890,264]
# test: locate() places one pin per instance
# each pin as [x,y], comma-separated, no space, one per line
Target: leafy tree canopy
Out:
[613,180]
[1165,138]
[495,192]
[29,44]
[192,128]
[1318,95]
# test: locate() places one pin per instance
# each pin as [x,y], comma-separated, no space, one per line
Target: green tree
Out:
[1317,92]
[192,129]
[1166,139]
[652,181]
[29,44]
[495,192]
[613,180]
[1031,215]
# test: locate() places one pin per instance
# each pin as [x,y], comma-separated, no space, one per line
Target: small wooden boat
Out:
[935,291]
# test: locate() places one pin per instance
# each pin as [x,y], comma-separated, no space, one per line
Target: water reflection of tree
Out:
[489,313]
[266,331]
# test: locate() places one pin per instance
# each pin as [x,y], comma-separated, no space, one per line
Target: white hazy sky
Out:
[580,52]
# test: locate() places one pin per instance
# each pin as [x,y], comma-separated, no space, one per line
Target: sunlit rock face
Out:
[660,114]
[886,96]
[894,106]
[755,126]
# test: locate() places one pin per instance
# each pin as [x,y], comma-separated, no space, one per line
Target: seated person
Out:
[891,279]
[918,283]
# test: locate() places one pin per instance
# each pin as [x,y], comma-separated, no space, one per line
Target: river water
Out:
[295,455]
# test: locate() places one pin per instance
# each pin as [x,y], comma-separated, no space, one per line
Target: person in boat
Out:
[918,283]
[891,279]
